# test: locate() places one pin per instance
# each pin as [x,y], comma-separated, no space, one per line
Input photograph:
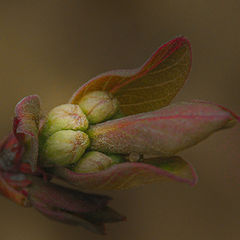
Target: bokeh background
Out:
[51,47]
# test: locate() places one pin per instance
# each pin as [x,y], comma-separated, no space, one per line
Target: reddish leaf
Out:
[127,175]
[11,193]
[164,132]
[71,206]
[64,198]
[149,87]
[26,126]
[10,153]
[67,218]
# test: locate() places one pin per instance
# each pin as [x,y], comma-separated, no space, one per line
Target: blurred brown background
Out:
[51,47]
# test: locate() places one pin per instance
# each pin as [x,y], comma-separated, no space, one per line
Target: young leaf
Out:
[131,174]
[71,206]
[26,126]
[149,87]
[10,153]
[66,217]
[164,132]
[11,193]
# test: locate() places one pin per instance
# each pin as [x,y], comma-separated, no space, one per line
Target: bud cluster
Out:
[64,140]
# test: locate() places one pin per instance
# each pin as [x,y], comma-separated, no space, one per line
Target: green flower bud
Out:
[98,106]
[93,162]
[64,147]
[65,117]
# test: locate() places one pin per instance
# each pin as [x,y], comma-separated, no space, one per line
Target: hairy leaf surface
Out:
[164,132]
[131,174]
[26,126]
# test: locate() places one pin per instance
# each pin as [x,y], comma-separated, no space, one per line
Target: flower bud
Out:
[93,162]
[65,147]
[65,117]
[98,106]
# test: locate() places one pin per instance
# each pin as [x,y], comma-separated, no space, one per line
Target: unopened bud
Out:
[65,117]
[93,162]
[98,106]
[64,147]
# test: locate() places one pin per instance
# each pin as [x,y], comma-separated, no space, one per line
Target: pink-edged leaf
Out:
[10,153]
[149,87]
[131,174]
[164,132]
[71,206]
[63,198]
[26,126]
[11,193]
[67,218]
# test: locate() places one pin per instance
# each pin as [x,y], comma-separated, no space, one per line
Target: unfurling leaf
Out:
[149,87]
[71,206]
[26,126]
[127,175]
[164,132]
[11,193]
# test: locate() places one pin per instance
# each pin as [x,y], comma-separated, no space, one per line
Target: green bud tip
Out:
[65,147]
[94,161]
[65,117]
[99,106]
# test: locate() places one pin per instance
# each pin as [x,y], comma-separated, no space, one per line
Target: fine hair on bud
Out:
[64,147]
[98,106]
[65,117]
[94,161]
